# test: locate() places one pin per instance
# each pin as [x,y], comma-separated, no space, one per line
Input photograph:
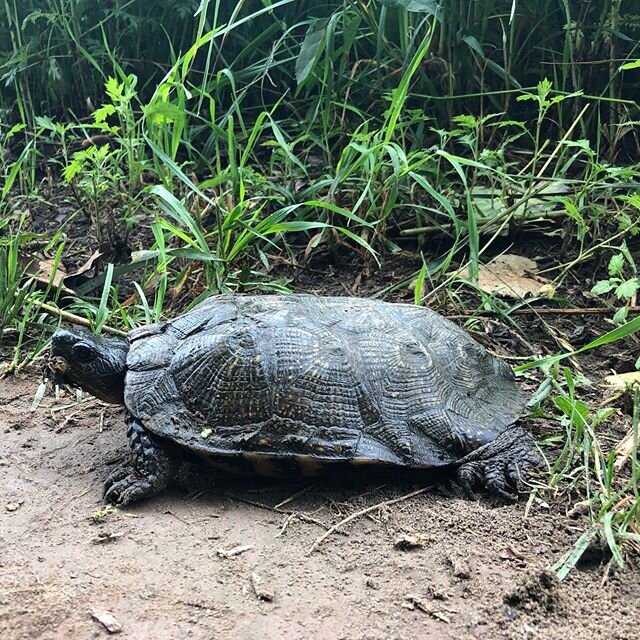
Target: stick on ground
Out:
[363,512]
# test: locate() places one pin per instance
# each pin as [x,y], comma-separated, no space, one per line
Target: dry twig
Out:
[364,512]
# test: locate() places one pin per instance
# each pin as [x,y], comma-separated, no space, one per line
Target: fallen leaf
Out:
[623,380]
[624,449]
[107,620]
[12,506]
[512,276]
[48,272]
[104,536]
[459,566]
[72,278]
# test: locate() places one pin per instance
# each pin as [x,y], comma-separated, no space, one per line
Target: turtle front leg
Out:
[151,469]
[500,465]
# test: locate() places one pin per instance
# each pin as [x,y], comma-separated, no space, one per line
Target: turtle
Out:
[278,384]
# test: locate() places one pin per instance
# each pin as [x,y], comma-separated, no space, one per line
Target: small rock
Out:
[409,542]
[459,567]
[263,591]
[107,620]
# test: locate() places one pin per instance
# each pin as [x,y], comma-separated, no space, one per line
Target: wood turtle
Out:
[296,383]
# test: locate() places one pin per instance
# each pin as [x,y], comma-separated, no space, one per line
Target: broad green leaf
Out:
[628,288]
[310,49]
[615,264]
[603,286]
[162,112]
[620,315]
[103,112]
[576,410]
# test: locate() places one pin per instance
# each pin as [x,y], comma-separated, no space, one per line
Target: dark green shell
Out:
[319,378]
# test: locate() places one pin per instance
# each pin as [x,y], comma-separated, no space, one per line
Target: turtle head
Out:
[94,363]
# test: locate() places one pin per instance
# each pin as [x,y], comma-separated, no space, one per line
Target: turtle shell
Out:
[319,378]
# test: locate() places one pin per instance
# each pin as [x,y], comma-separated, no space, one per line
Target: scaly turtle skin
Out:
[286,383]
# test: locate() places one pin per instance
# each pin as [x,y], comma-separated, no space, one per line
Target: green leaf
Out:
[417,292]
[310,50]
[620,315]
[103,112]
[544,88]
[114,89]
[162,112]
[615,264]
[630,65]
[45,123]
[72,169]
[16,127]
[610,536]
[603,286]
[628,288]
[576,410]
[569,560]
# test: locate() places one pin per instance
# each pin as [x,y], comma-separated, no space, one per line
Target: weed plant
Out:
[237,133]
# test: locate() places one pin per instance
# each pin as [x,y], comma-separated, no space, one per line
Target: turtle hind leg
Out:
[151,469]
[500,465]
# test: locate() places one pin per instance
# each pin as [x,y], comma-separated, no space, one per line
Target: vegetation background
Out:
[198,144]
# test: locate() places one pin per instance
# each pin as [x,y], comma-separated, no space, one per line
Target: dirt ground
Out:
[235,561]
[214,565]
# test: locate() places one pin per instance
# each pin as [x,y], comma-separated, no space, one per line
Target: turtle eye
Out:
[83,352]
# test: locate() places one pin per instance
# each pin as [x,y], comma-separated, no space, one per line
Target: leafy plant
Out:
[622,281]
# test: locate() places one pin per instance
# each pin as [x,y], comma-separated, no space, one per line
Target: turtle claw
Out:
[122,490]
[151,470]
[120,473]
[500,466]
[469,475]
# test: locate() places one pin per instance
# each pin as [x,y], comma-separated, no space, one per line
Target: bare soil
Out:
[230,563]
[225,564]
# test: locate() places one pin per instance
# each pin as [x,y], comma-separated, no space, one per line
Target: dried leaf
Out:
[623,380]
[415,602]
[104,536]
[45,272]
[624,449]
[512,276]
[82,269]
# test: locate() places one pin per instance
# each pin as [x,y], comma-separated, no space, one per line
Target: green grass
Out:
[247,133]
